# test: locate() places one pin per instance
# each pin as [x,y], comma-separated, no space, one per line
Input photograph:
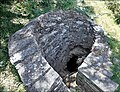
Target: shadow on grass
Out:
[115,58]
[3,89]
[7,28]
[115,46]
[6,1]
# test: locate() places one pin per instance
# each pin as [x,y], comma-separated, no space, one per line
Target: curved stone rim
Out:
[99,51]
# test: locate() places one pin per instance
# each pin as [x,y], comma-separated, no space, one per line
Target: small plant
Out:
[114,6]
[27,8]
[86,10]
[66,4]
[33,8]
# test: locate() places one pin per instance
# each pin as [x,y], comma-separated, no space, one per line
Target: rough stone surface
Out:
[47,49]
[96,66]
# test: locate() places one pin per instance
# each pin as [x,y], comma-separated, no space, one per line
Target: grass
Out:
[9,79]
[14,15]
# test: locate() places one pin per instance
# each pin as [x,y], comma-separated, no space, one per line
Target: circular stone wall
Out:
[50,48]
[61,34]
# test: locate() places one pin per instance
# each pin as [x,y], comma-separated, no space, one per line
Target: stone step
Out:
[19,45]
[106,72]
[97,62]
[19,56]
[96,77]
[39,76]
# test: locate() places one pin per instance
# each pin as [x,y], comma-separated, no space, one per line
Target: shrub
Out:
[33,8]
[114,6]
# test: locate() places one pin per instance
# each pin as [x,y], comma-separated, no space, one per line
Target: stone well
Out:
[58,47]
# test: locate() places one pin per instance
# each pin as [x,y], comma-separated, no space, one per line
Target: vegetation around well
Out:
[14,14]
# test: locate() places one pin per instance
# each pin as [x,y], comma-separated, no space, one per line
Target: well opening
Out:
[72,65]
[76,58]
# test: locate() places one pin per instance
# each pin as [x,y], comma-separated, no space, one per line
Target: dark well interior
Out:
[72,64]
